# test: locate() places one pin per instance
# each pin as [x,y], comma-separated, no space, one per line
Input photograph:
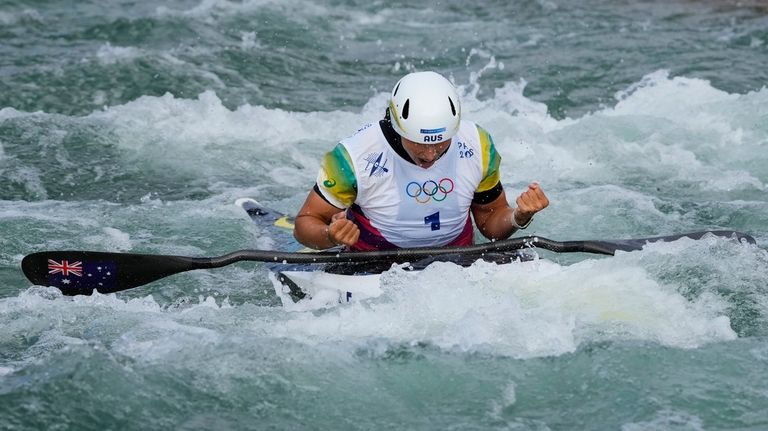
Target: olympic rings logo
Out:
[429,190]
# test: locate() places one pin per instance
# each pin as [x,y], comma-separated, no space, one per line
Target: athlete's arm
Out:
[494,219]
[320,225]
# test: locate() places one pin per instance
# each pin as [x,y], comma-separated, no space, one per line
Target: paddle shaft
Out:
[82,272]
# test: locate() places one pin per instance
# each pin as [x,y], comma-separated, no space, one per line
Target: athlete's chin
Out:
[425,165]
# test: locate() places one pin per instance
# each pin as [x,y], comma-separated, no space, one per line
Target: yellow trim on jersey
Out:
[491,162]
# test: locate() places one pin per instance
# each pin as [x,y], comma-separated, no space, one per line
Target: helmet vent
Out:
[405,108]
[453,108]
[396,88]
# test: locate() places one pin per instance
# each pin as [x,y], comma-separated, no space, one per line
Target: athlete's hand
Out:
[529,203]
[342,230]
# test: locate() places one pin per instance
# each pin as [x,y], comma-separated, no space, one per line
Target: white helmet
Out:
[424,108]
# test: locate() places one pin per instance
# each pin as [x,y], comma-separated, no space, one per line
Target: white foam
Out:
[108,54]
[7,113]
[533,309]
[248,40]
[142,328]
[198,122]
[507,399]
[54,305]
[6,18]
[28,14]
[159,340]
[45,211]
[644,96]
[650,133]
[677,129]
[668,419]
[111,239]
[208,10]
[203,138]
[634,211]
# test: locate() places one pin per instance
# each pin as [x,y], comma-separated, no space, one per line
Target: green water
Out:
[134,126]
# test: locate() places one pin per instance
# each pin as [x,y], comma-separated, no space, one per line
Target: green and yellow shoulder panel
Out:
[491,161]
[337,179]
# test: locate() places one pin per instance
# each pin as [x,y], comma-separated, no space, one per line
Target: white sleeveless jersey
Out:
[410,206]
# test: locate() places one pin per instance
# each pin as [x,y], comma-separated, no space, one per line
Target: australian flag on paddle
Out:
[81,276]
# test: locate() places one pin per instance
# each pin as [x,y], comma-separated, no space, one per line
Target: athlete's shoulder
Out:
[474,132]
[364,134]
[468,127]
[336,180]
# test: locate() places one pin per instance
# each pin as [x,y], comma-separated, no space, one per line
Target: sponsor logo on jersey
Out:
[376,166]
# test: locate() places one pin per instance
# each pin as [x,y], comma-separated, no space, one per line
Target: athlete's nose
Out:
[430,154]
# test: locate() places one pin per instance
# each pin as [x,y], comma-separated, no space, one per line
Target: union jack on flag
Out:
[65,268]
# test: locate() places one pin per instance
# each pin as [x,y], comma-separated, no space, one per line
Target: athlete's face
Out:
[425,155]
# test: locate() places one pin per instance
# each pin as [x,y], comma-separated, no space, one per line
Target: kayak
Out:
[341,282]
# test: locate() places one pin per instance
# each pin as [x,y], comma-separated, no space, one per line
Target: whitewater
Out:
[135,127]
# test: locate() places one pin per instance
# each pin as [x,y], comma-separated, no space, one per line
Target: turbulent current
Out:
[134,126]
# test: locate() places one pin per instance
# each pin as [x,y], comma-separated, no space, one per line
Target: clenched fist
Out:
[529,203]
[343,231]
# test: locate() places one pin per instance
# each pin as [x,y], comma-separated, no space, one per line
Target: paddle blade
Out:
[638,244]
[82,272]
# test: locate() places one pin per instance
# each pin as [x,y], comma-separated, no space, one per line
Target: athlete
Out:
[413,179]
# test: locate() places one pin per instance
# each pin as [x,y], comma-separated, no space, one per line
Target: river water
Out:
[134,126]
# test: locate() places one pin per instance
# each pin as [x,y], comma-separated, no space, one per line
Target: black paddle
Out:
[80,272]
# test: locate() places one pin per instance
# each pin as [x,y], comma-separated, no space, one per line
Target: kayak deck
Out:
[345,282]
